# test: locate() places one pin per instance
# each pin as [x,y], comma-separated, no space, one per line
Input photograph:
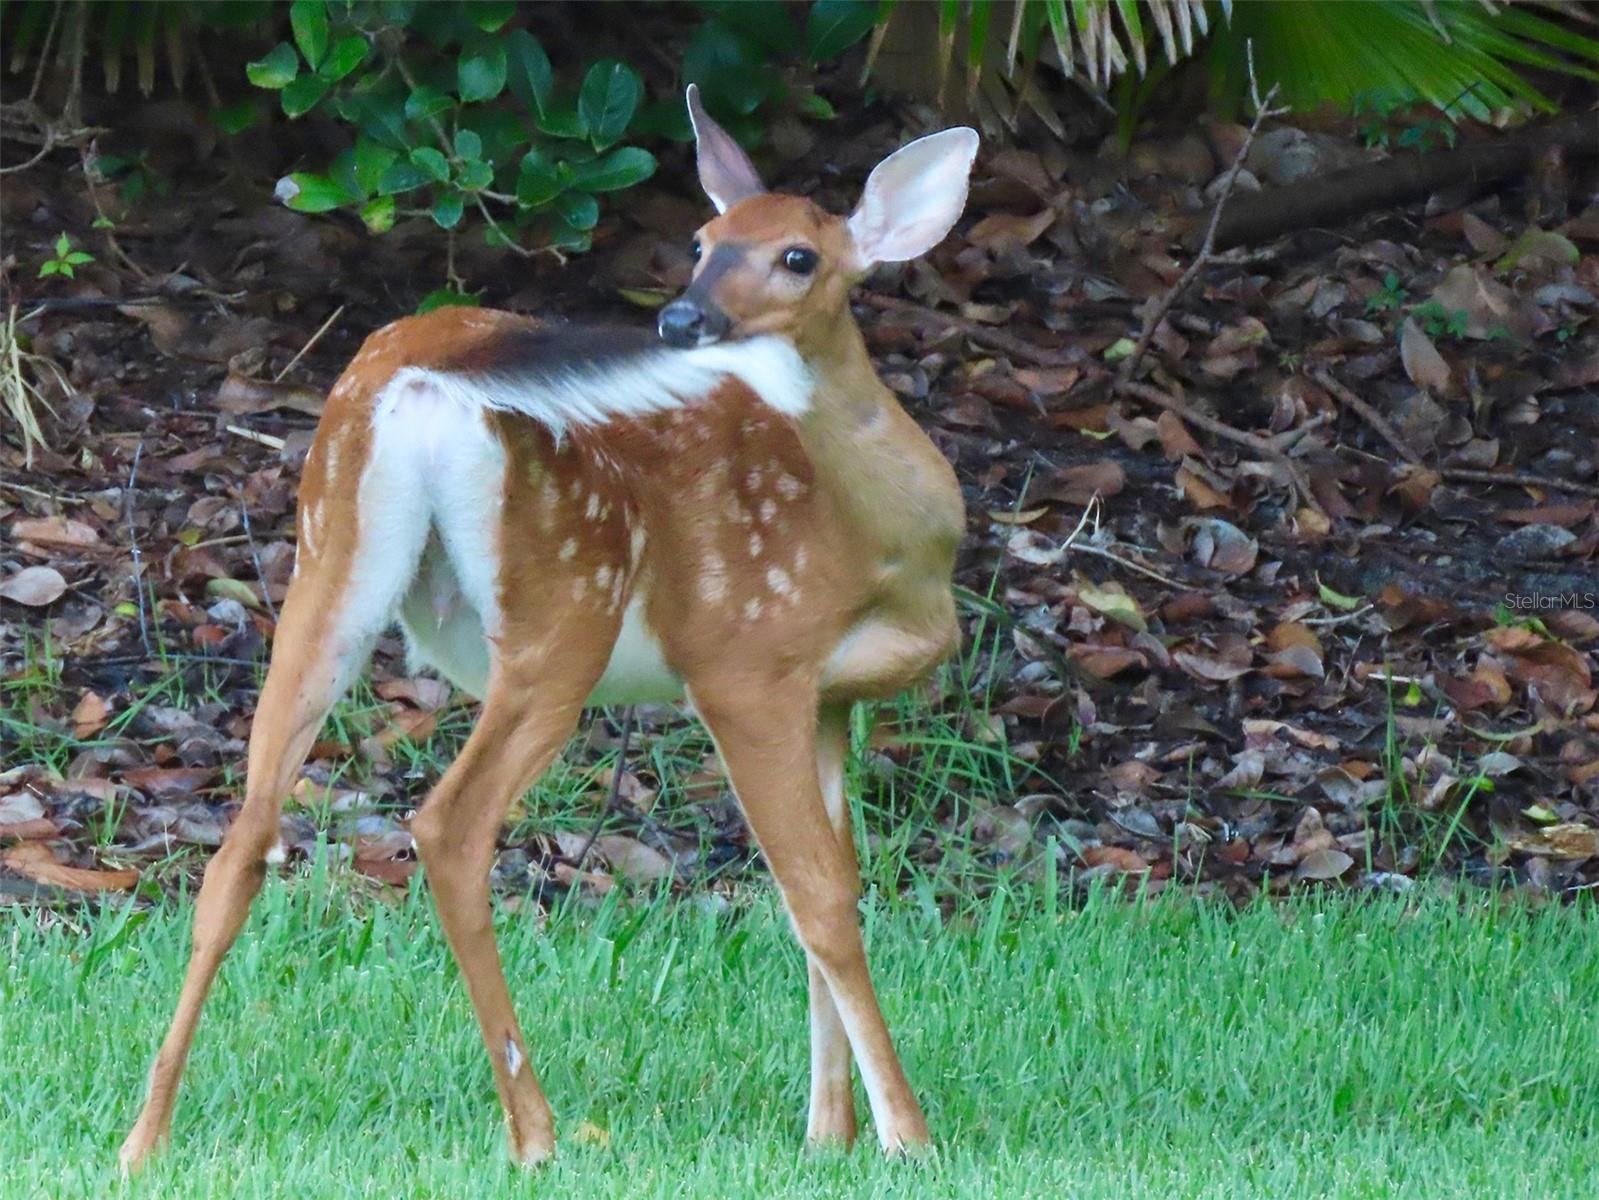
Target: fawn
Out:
[742,516]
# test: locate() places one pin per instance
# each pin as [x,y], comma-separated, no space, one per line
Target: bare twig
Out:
[998,339]
[1262,447]
[611,796]
[314,339]
[1367,414]
[265,439]
[1155,315]
[128,494]
[1518,479]
[255,557]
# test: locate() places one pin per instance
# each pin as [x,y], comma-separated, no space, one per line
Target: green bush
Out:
[452,110]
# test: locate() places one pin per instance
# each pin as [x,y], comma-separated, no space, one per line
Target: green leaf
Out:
[301,96]
[307,193]
[468,145]
[537,182]
[52,267]
[833,26]
[607,100]
[380,115]
[445,298]
[431,161]
[530,75]
[309,21]
[379,214]
[402,176]
[563,236]
[447,210]
[372,160]
[480,74]
[348,54]
[578,210]
[63,244]
[621,168]
[1336,599]
[563,122]
[78,257]
[235,118]
[732,70]
[489,15]
[475,175]
[426,101]
[276,70]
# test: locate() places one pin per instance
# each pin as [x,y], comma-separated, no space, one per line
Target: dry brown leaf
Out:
[55,531]
[1003,231]
[33,586]
[1079,485]
[1128,862]
[422,692]
[33,860]
[1323,864]
[90,715]
[1425,366]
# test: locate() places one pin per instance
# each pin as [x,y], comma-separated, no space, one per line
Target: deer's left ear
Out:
[726,173]
[913,198]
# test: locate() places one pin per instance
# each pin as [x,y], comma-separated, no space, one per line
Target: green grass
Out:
[1446,1046]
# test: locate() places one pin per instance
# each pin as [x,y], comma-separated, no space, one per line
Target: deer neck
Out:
[893,487]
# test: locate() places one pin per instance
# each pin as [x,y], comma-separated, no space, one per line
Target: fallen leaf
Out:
[33,860]
[90,715]
[55,531]
[632,859]
[1323,864]
[1002,231]
[1113,601]
[1425,366]
[1126,861]
[33,586]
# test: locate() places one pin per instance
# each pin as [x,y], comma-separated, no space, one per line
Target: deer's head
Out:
[776,264]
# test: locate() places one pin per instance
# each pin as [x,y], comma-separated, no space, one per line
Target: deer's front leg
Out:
[766,730]
[832,1115]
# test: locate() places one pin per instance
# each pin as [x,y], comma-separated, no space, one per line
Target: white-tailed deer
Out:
[562,517]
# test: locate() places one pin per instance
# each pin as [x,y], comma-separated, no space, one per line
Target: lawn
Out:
[1446,1046]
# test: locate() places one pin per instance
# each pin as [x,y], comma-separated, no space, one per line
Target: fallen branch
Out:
[1369,415]
[997,339]
[1155,314]
[1261,447]
[1339,195]
[1518,479]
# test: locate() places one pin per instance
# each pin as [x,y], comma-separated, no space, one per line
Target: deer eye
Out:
[694,251]
[799,260]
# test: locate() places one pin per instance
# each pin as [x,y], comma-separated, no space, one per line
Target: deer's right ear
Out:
[726,173]
[913,198]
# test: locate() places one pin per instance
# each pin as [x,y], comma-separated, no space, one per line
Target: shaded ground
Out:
[1186,661]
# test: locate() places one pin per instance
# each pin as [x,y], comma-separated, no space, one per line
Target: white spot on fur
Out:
[777,579]
[801,557]
[752,610]
[756,545]
[713,579]
[513,1057]
[592,508]
[568,550]
[580,586]
[768,510]
[278,854]
[789,488]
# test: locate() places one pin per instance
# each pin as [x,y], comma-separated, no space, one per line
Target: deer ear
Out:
[726,173]
[913,197]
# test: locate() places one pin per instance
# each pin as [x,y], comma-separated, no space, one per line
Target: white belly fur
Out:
[457,649]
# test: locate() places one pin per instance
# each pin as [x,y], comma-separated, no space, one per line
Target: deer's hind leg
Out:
[354,560]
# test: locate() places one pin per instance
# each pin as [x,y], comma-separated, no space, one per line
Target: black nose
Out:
[684,323]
